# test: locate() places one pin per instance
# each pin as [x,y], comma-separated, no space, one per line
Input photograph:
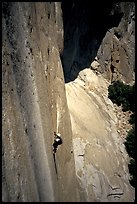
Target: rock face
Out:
[91,164]
[100,157]
[116,53]
[34,106]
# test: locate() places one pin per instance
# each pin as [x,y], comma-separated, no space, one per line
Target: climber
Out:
[57,141]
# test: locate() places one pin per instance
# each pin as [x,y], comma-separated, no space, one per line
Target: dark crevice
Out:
[112,68]
[85,25]
[54,158]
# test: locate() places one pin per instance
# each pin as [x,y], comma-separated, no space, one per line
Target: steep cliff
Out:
[116,53]
[34,105]
[101,37]
[44,45]
[99,49]
[101,160]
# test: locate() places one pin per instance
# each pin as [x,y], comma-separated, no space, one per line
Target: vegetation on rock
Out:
[123,94]
[130,143]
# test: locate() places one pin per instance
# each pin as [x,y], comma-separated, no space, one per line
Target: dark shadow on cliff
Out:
[85,25]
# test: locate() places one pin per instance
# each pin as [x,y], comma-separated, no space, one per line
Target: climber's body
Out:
[57,141]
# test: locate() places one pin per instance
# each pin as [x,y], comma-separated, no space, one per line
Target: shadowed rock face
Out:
[34,106]
[104,30]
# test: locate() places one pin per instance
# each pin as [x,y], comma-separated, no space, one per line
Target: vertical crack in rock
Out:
[32,44]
